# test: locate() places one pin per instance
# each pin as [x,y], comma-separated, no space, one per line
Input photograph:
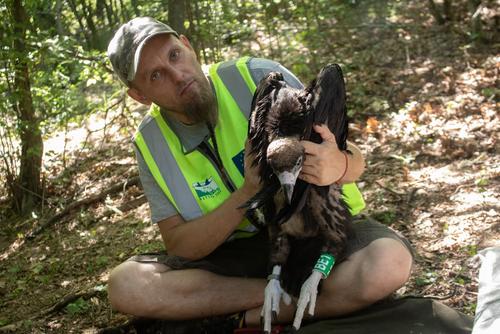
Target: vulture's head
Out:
[285,156]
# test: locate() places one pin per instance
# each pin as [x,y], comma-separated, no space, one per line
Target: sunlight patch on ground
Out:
[12,249]
[77,133]
[446,174]
[469,200]
[460,230]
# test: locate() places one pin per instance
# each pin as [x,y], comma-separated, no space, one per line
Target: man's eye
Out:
[155,76]
[174,54]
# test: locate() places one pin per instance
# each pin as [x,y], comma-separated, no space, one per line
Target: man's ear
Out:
[184,40]
[136,95]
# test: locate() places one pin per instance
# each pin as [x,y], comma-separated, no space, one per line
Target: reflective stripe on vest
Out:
[192,181]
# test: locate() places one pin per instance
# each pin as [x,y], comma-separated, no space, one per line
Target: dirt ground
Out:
[427,122]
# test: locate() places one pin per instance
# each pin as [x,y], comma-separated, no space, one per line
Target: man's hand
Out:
[325,163]
[251,185]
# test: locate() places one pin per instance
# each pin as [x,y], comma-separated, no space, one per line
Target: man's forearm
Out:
[197,238]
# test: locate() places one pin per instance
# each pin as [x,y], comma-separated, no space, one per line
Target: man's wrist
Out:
[346,167]
[245,192]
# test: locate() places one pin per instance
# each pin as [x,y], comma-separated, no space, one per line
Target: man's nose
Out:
[177,75]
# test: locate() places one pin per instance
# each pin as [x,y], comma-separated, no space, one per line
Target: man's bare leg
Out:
[153,290]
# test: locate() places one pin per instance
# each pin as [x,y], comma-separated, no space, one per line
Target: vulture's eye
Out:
[299,161]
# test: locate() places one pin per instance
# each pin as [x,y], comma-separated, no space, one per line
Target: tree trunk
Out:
[198,30]
[447,10]
[135,8]
[28,192]
[435,12]
[85,33]
[88,14]
[59,26]
[476,24]
[109,13]
[176,15]
[124,12]
[191,32]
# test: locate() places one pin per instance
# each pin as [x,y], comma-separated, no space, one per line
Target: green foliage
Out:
[426,279]
[481,182]
[79,306]
[385,217]
[150,247]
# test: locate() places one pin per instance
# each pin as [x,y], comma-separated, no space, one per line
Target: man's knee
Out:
[129,286]
[386,266]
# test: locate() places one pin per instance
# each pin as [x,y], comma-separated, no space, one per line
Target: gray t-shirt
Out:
[192,135]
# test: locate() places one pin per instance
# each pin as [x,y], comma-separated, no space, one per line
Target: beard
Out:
[202,108]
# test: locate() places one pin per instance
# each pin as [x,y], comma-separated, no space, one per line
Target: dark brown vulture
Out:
[305,221]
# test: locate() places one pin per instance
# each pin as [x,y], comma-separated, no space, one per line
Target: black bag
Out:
[400,316]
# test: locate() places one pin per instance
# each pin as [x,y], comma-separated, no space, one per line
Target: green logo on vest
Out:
[207,188]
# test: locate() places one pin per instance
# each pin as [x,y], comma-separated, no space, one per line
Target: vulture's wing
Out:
[326,96]
[263,99]
[328,104]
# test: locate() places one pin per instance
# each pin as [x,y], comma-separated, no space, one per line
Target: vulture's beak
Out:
[287,180]
[288,189]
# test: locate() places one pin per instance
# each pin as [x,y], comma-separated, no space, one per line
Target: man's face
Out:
[169,75]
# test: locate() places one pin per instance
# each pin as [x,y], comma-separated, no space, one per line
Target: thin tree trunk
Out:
[135,7]
[29,187]
[191,32]
[88,14]
[59,26]
[176,15]
[198,27]
[116,11]
[109,13]
[475,7]
[85,33]
[447,10]
[435,12]
[124,12]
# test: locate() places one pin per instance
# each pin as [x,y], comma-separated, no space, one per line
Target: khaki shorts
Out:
[249,257]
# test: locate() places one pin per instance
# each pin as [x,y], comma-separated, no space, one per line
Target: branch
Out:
[11,328]
[84,201]
[69,299]
[381,185]
[127,206]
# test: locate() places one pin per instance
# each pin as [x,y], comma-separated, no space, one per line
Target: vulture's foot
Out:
[308,294]
[272,297]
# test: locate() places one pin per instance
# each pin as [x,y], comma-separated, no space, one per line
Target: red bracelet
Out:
[345,170]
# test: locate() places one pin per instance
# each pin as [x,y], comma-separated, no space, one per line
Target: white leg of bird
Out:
[308,294]
[272,297]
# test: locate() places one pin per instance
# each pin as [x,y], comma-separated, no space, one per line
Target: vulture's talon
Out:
[272,298]
[308,294]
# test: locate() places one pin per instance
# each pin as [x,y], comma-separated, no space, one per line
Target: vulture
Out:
[307,223]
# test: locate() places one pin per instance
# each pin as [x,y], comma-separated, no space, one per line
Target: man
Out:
[190,153]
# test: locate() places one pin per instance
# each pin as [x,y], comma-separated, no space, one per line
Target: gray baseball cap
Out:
[125,48]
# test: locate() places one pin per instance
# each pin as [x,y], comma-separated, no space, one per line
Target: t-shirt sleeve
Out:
[260,67]
[159,204]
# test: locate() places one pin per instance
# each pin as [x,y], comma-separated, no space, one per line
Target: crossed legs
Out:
[153,290]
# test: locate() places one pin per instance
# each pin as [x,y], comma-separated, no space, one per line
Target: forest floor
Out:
[426,118]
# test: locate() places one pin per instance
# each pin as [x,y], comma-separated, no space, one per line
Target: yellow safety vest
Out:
[192,181]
